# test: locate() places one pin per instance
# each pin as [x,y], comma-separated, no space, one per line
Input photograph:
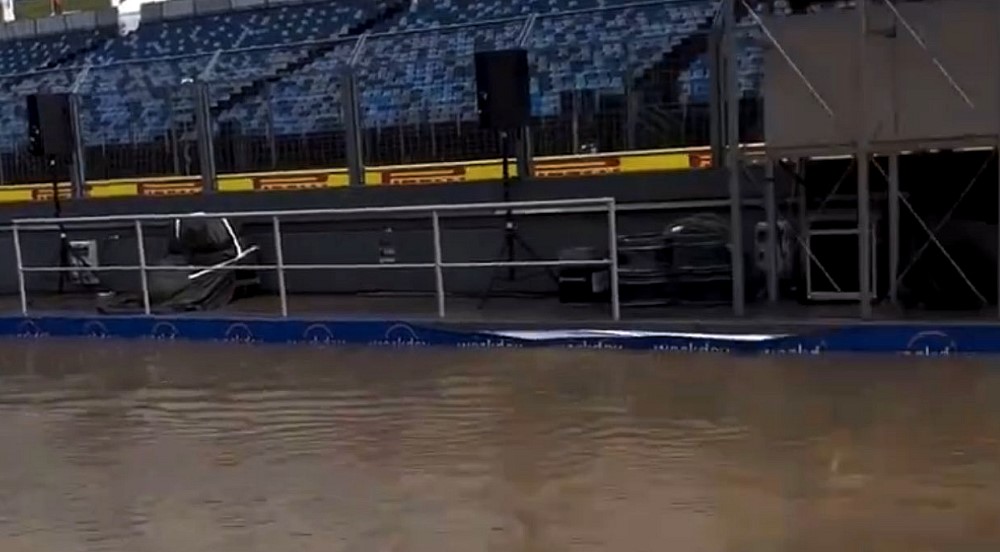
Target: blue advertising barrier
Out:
[912,339]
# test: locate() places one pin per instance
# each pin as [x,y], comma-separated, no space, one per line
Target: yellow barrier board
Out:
[400,175]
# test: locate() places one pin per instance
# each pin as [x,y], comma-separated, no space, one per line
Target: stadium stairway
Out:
[251,90]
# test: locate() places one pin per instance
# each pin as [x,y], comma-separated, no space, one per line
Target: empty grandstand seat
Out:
[278,68]
[136,79]
[21,56]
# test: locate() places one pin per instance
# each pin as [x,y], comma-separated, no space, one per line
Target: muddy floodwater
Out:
[139,447]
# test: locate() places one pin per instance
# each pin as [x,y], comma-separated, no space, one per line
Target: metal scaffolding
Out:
[863,151]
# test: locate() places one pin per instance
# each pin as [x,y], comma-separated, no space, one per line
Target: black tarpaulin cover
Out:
[205,242]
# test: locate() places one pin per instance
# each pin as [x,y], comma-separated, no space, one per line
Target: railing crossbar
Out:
[361,266]
[25,223]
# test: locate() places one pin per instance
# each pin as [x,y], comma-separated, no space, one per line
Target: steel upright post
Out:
[771,214]
[350,99]
[864,203]
[733,159]
[78,167]
[206,146]
[894,228]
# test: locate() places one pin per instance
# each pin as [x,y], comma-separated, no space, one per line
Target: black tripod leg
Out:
[63,262]
[534,256]
[504,252]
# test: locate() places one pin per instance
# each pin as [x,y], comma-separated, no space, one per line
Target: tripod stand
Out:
[511,237]
[68,257]
[64,249]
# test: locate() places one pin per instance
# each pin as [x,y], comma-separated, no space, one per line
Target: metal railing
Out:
[438,265]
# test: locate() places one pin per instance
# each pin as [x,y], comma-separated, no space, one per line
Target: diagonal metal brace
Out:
[944,250]
[788,59]
[945,219]
[934,59]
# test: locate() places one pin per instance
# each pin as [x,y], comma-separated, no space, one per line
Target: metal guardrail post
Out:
[143,276]
[616,307]
[21,287]
[279,257]
[206,146]
[438,270]
[78,165]
[351,111]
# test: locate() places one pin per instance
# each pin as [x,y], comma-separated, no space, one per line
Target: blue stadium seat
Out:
[134,92]
[21,56]
[279,68]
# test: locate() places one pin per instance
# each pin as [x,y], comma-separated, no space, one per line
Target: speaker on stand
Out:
[503,102]
[50,136]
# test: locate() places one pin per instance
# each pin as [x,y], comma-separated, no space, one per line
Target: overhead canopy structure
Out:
[885,78]
[929,78]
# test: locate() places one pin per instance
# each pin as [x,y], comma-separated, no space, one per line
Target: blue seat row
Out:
[273,76]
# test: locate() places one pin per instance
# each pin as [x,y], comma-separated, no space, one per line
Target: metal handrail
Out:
[438,265]
[497,205]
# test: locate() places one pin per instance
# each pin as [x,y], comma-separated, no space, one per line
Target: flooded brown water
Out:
[181,447]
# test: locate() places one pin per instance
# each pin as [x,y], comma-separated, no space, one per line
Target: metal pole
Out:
[575,123]
[616,309]
[21,287]
[78,163]
[272,146]
[733,160]
[631,114]
[206,145]
[803,212]
[525,159]
[771,213]
[350,104]
[143,277]
[279,259]
[438,271]
[894,228]
[716,99]
[864,205]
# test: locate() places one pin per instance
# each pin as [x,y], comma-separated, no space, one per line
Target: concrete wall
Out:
[357,241]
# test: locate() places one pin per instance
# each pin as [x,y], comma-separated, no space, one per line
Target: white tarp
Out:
[542,335]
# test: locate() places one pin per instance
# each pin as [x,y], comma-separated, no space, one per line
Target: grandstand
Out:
[609,75]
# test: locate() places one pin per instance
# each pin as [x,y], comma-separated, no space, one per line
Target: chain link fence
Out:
[137,118]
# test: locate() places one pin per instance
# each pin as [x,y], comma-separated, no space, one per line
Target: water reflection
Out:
[147,446]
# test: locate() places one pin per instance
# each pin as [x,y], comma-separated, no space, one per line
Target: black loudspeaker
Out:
[50,130]
[502,89]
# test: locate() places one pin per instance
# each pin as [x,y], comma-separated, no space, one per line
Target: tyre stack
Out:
[701,263]
[644,269]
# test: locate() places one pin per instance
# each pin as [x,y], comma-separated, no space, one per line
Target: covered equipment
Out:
[195,242]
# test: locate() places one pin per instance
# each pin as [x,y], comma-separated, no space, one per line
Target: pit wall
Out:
[648,203]
[546,168]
